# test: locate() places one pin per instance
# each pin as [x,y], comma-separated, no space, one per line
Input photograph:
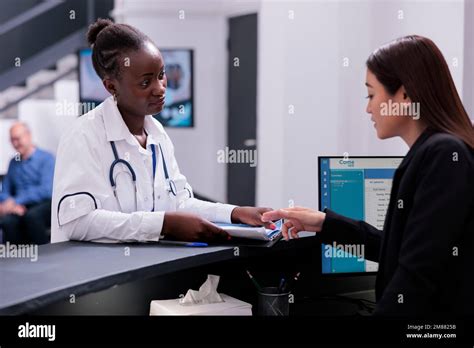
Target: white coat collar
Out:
[116,129]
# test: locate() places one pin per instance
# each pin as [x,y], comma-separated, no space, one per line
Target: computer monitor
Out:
[359,188]
[178,110]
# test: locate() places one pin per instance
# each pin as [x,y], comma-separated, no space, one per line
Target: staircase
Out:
[42,37]
[37,86]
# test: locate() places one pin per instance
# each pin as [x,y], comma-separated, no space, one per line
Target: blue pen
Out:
[186,244]
[282,284]
[196,244]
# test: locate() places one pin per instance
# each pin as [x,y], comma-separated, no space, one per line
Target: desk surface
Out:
[78,268]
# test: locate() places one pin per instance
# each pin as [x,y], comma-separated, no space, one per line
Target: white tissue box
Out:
[230,306]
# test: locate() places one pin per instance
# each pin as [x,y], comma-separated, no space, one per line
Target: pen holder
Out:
[273,303]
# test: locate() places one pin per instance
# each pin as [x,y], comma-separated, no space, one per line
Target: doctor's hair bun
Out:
[110,43]
[95,28]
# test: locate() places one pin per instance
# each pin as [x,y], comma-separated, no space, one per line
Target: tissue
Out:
[207,293]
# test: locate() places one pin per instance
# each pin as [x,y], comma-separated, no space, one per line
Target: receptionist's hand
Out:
[297,219]
[251,216]
[191,228]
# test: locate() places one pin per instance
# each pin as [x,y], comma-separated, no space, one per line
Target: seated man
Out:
[25,198]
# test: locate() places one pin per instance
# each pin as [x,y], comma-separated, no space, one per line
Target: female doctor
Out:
[116,177]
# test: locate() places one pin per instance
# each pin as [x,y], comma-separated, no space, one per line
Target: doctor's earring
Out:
[115,98]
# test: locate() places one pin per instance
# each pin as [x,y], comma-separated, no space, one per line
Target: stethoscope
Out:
[171,186]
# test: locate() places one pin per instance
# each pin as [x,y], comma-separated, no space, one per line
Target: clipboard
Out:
[247,235]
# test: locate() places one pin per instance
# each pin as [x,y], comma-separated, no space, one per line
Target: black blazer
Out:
[426,249]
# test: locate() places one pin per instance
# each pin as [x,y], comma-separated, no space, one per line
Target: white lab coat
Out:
[84,206]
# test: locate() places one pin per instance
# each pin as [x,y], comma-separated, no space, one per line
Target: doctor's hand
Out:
[191,228]
[251,216]
[297,219]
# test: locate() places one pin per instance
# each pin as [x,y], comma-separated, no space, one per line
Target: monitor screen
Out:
[179,105]
[359,188]
[91,89]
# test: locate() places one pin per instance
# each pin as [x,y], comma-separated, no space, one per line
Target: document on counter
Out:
[252,232]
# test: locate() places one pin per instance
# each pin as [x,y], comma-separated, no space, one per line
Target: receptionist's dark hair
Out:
[417,63]
[110,42]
